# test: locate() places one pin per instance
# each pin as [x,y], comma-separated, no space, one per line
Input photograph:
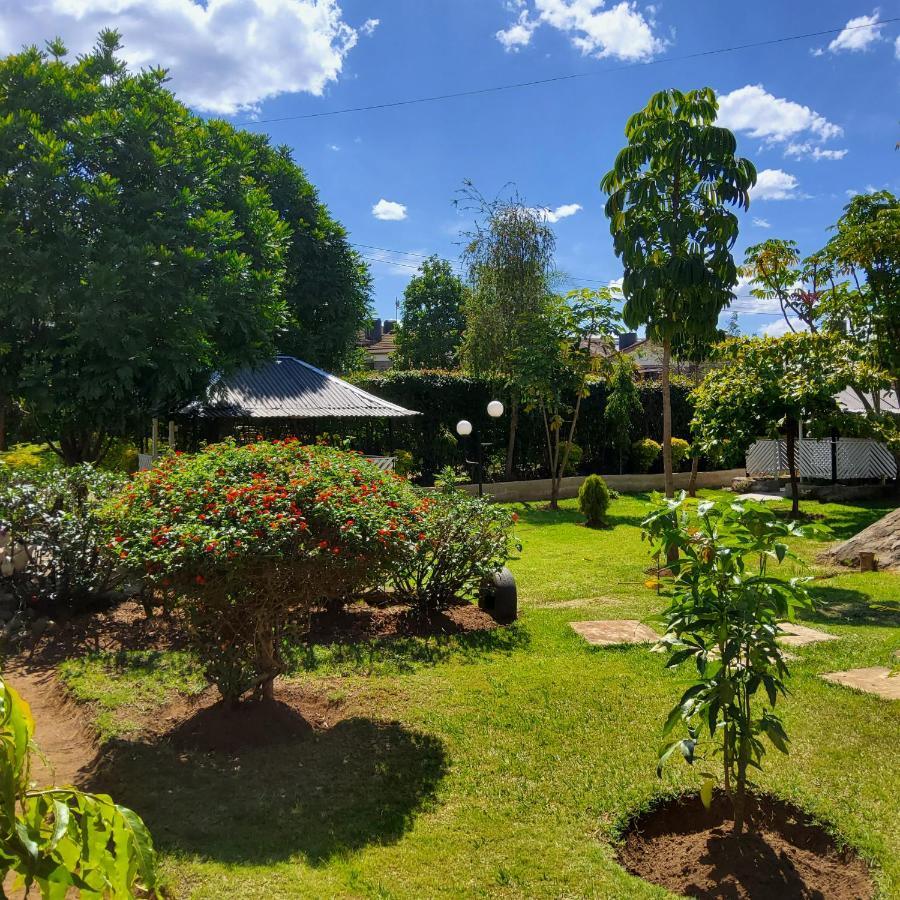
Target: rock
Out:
[881,538]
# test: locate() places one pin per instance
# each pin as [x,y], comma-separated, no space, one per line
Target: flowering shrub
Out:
[51,537]
[248,536]
[462,541]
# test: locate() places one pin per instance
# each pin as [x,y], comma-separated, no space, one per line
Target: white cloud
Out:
[754,111]
[858,34]
[389,211]
[561,212]
[807,150]
[334,147]
[224,56]
[761,223]
[774,184]
[780,327]
[368,27]
[897,47]
[622,31]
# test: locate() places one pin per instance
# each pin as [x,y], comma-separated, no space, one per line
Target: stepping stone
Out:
[794,635]
[874,680]
[760,498]
[607,632]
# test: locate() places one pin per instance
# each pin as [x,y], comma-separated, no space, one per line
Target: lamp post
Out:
[464,428]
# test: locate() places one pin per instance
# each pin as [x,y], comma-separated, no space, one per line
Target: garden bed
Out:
[690,850]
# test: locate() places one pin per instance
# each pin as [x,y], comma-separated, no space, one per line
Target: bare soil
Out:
[784,854]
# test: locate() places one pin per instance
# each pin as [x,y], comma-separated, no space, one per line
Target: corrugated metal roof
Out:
[288,388]
[849,401]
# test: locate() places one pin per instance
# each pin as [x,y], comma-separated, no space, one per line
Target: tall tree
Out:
[327,285]
[509,257]
[432,318]
[767,387]
[137,252]
[555,360]
[669,190]
[623,404]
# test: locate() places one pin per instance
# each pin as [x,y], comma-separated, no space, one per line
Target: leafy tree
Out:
[327,285]
[668,193]
[432,319]
[764,387]
[509,257]
[623,405]
[723,615]
[554,362]
[866,248]
[62,839]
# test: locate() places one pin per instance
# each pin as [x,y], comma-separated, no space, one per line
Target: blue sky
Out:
[818,116]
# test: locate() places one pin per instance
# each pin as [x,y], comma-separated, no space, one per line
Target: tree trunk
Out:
[692,484]
[792,468]
[511,444]
[667,419]
[4,405]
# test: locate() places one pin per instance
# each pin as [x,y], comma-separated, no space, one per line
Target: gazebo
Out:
[285,396]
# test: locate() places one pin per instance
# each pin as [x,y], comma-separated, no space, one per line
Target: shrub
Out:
[62,837]
[723,616]
[122,456]
[52,547]
[644,454]
[681,450]
[575,456]
[28,457]
[249,537]
[593,500]
[463,540]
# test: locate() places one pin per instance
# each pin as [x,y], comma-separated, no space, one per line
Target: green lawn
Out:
[500,765]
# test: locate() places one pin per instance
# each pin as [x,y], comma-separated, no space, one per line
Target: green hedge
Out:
[443,398]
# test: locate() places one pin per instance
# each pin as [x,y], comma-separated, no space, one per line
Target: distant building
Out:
[646,354]
[380,343]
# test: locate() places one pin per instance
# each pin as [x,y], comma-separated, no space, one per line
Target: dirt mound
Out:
[691,851]
[881,538]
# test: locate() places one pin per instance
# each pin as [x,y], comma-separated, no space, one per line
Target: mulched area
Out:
[691,851]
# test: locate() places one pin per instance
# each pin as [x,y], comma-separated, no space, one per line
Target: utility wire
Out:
[453,95]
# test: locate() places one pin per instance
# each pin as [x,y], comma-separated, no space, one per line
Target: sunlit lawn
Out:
[500,766]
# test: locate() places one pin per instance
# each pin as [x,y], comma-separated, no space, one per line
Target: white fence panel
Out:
[856,458]
[814,458]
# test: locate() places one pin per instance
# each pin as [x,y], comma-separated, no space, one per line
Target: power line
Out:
[571,76]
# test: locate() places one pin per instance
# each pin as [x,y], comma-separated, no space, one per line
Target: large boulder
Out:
[881,538]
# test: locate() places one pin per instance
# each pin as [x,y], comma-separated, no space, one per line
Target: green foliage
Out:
[669,190]
[122,456]
[61,839]
[573,454]
[463,540]
[723,615]
[623,403]
[28,457]
[51,544]
[593,500]
[681,450]
[432,319]
[250,537]
[644,454]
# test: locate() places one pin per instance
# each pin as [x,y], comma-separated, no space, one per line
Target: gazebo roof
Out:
[288,388]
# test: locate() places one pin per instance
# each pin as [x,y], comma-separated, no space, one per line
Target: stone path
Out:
[608,632]
[794,635]
[760,498]
[873,680]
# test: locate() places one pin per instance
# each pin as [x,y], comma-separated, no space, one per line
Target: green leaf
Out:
[706,791]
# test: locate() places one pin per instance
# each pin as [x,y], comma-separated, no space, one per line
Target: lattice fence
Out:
[856,458]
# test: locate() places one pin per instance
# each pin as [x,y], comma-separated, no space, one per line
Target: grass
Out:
[501,765]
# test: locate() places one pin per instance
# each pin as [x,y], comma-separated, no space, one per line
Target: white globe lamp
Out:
[463,427]
[495,409]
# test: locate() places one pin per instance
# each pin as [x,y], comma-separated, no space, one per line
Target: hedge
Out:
[443,398]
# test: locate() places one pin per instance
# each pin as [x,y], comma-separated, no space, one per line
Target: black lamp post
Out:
[464,429]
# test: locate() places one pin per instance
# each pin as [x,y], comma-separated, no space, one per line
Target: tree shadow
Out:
[845,606]
[319,794]
[844,522]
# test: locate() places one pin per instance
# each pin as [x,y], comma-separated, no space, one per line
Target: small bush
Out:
[575,457]
[122,456]
[644,454]
[52,542]
[463,540]
[593,500]
[252,537]
[28,458]
[681,450]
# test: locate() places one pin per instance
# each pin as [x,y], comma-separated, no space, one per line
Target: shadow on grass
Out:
[845,606]
[537,514]
[397,655]
[844,522]
[358,783]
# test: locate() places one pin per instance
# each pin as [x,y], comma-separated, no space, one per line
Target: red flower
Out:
[323,545]
[200,579]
